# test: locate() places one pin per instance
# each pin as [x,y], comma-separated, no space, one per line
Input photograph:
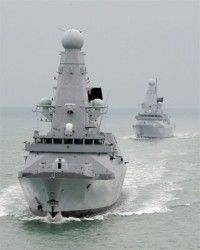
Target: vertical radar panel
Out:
[95,93]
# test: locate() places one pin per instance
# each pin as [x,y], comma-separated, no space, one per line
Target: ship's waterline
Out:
[70,196]
[151,131]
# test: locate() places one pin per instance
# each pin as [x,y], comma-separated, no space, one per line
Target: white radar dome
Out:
[152,82]
[72,39]
[45,101]
[97,103]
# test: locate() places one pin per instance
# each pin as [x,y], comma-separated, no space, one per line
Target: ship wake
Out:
[177,135]
[12,201]
[144,192]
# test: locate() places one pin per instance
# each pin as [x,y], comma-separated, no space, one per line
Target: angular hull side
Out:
[71,197]
[150,131]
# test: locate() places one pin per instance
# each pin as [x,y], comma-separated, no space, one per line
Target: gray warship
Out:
[74,169]
[153,121]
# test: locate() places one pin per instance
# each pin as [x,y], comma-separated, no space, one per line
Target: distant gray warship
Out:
[153,122]
[75,169]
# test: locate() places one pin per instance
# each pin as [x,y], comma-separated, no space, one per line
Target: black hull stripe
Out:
[76,214]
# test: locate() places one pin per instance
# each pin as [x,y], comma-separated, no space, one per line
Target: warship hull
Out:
[151,131]
[71,195]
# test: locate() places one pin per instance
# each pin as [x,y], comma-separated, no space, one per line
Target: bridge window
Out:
[98,141]
[59,164]
[68,141]
[57,141]
[39,140]
[78,141]
[88,141]
[48,140]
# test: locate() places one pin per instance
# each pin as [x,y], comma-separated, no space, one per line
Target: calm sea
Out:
[159,207]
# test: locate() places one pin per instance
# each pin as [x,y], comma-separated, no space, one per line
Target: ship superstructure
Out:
[75,169]
[153,122]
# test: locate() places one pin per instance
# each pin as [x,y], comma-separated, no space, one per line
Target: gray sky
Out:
[126,43]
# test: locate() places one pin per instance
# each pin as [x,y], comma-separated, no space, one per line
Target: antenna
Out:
[156,83]
[82,31]
[107,97]
[65,27]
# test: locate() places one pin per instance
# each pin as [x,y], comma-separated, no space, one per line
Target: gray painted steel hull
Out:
[69,193]
[150,131]
[74,197]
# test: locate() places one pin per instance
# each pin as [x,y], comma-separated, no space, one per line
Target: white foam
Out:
[12,201]
[186,135]
[146,190]
[156,203]
[152,210]
[128,137]
[143,176]
[58,219]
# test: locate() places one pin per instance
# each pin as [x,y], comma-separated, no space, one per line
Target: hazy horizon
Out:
[126,44]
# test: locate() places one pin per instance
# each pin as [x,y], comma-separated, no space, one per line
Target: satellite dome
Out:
[97,103]
[152,82]
[45,101]
[72,39]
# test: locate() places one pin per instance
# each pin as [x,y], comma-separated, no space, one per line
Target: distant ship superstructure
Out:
[75,169]
[152,122]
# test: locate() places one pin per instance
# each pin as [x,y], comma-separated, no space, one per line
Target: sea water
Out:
[159,207]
